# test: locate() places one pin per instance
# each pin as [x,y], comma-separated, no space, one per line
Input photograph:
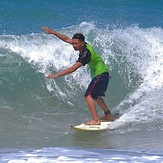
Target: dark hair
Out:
[79,36]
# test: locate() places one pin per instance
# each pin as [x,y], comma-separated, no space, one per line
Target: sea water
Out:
[36,113]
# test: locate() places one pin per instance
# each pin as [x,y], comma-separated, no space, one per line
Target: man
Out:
[99,72]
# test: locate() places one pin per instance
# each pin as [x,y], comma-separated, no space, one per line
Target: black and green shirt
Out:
[93,59]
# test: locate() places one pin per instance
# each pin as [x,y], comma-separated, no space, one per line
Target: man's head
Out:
[79,36]
[78,41]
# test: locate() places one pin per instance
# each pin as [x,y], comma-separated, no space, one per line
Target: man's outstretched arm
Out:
[66,71]
[59,35]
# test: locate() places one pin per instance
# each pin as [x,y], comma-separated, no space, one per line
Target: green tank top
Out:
[96,63]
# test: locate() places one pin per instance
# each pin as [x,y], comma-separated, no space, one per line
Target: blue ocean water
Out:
[36,113]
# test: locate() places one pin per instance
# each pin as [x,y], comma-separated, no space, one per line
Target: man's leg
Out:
[92,106]
[108,115]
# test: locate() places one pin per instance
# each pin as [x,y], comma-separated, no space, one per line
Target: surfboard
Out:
[103,126]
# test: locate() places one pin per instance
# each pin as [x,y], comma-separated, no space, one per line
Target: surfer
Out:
[99,72]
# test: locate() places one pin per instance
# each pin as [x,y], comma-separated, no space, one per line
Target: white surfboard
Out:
[103,126]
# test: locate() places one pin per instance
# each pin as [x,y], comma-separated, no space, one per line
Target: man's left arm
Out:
[66,71]
[57,34]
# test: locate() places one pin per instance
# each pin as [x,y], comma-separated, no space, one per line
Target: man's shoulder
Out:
[86,49]
[87,45]
[90,48]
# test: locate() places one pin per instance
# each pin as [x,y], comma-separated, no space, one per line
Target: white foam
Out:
[51,155]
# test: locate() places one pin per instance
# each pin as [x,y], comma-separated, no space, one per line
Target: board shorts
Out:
[98,86]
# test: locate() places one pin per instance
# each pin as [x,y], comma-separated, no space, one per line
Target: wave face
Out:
[32,105]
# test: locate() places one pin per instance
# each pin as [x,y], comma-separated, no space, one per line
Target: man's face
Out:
[77,44]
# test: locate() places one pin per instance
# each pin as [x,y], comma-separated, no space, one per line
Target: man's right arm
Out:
[59,35]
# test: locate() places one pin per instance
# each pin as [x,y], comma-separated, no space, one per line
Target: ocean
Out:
[36,113]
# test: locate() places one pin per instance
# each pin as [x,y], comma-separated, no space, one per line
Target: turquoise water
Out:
[36,113]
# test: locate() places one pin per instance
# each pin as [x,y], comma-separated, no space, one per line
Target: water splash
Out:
[135,53]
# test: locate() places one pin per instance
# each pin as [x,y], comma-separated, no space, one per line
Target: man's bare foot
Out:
[108,117]
[93,122]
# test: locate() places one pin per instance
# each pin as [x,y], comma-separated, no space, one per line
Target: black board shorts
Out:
[98,86]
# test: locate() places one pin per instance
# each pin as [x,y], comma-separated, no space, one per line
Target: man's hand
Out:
[52,76]
[48,30]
